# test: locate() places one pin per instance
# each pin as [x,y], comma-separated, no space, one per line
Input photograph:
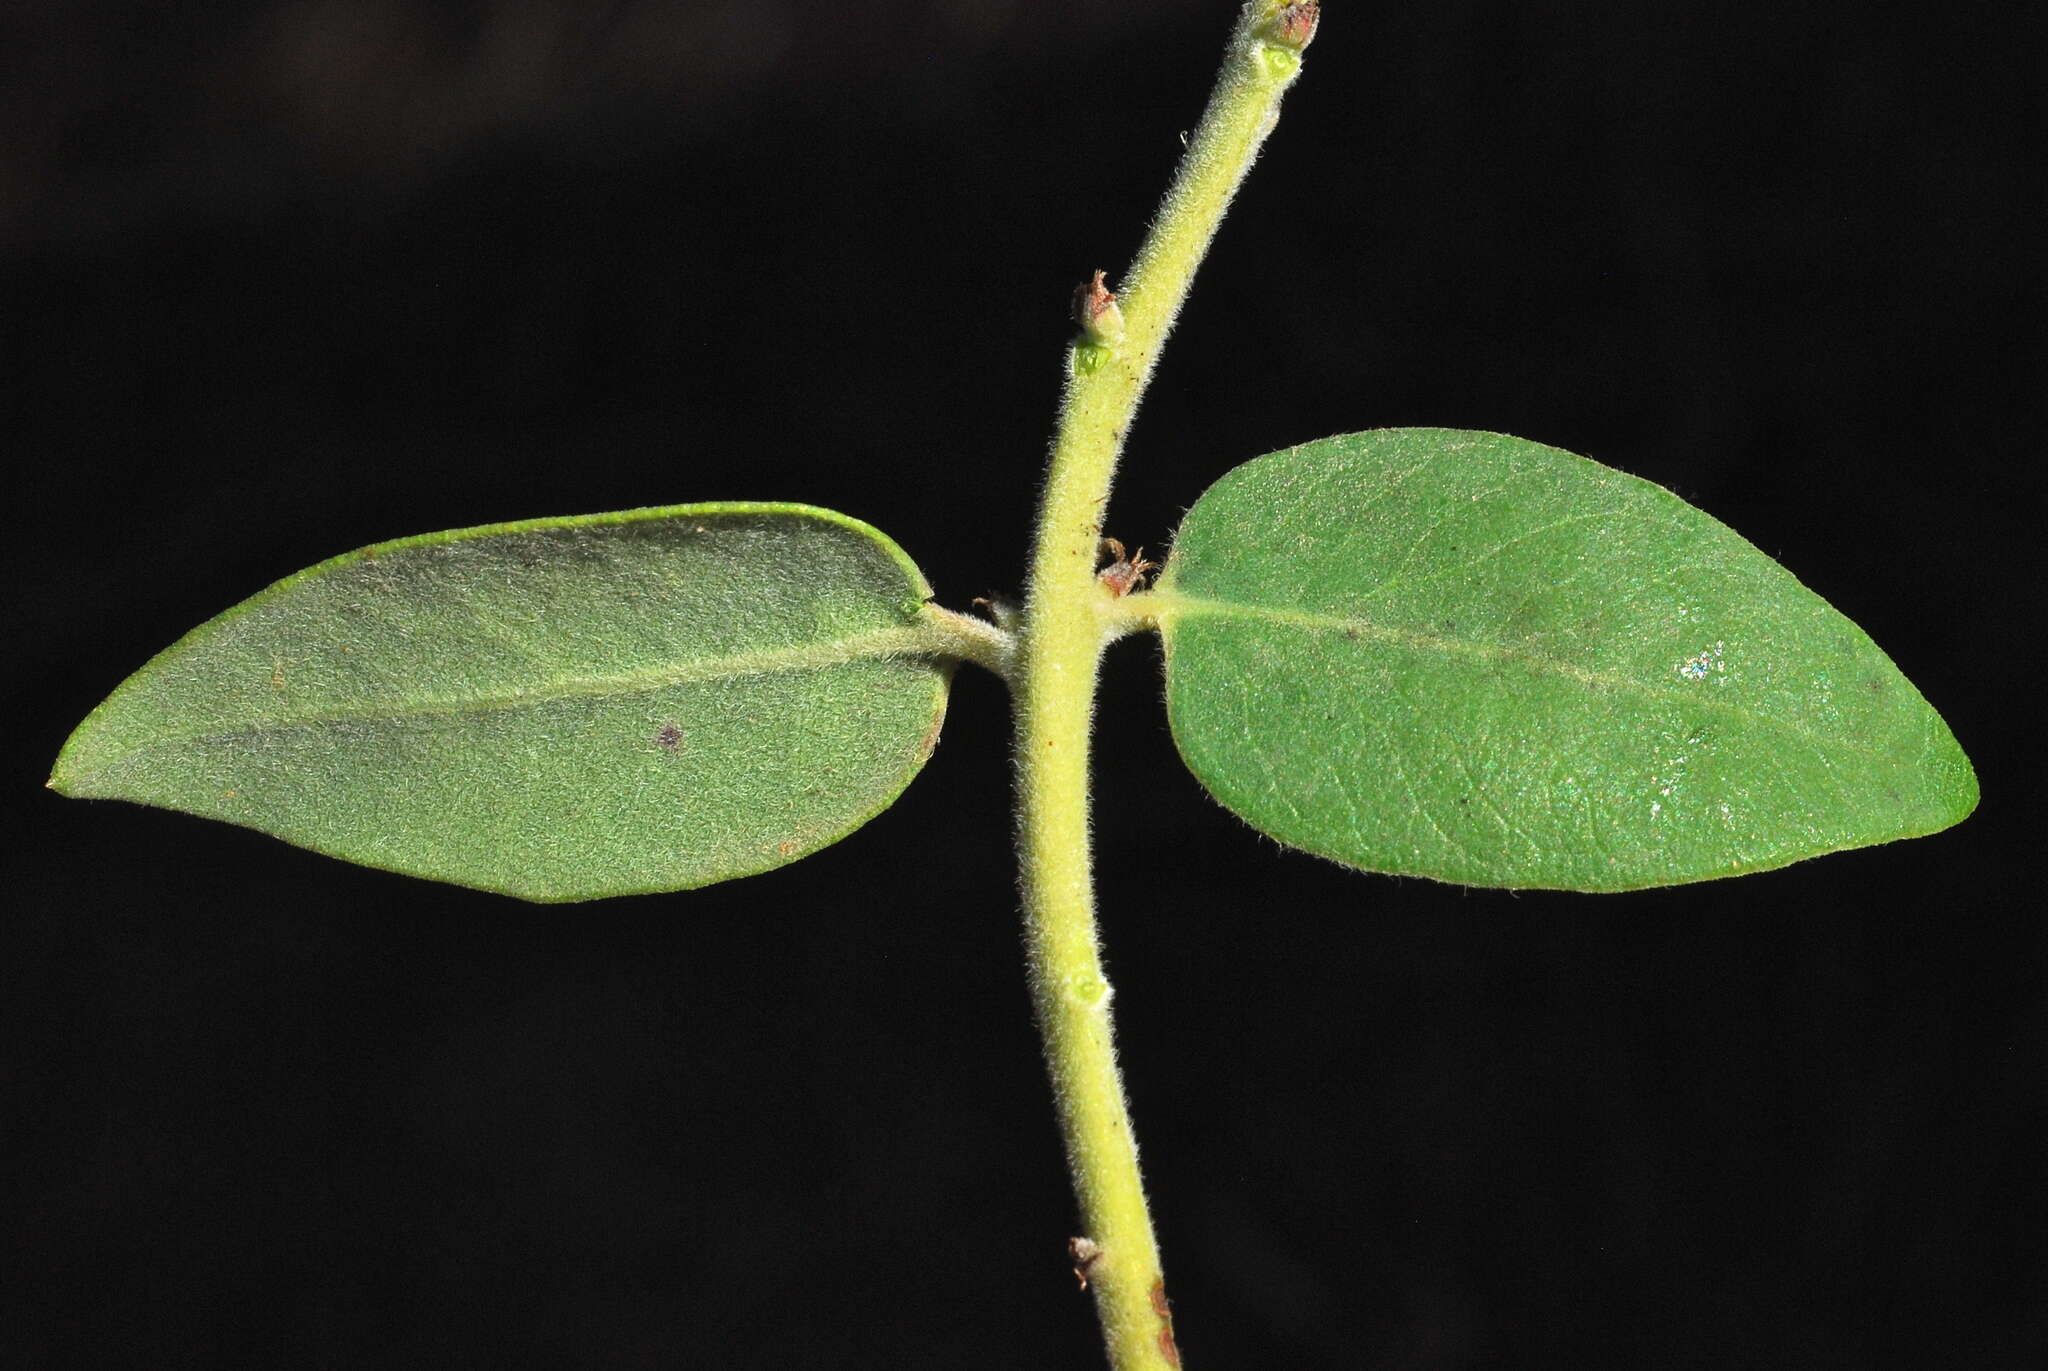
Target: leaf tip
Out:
[1959,787]
[66,776]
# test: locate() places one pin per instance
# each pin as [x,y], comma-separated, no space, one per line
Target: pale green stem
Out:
[948,634]
[1068,617]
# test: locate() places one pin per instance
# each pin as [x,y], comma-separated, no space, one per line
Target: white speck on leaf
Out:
[1705,664]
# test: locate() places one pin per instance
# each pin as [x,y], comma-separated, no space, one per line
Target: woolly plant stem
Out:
[1069,616]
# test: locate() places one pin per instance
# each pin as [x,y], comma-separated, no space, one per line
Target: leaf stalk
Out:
[962,636]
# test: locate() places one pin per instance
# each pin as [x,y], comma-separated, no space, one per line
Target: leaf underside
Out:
[560,709]
[1479,659]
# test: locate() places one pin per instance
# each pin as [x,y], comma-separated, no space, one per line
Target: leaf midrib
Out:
[1171,603]
[899,641]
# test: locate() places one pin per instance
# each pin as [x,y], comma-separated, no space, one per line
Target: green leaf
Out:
[1474,658]
[560,709]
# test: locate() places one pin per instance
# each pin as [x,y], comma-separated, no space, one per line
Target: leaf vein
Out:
[1173,605]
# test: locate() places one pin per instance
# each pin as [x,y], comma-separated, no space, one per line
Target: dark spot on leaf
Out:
[1352,634]
[670,737]
[1875,685]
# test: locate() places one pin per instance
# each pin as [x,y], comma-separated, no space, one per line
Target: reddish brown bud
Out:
[1295,25]
[1124,574]
[1096,312]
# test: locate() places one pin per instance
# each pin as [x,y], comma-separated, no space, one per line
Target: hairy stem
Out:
[962,636]
[1068,618]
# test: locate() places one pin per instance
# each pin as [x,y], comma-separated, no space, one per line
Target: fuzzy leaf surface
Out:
[1479,659]
[559,709]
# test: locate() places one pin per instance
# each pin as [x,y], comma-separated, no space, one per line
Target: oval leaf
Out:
[1474,658]
[559,709]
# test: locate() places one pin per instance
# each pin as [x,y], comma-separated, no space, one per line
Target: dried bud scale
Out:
[1125,572]
[1096,314]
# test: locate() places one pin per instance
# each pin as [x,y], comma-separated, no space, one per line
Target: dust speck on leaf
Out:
[1703,664]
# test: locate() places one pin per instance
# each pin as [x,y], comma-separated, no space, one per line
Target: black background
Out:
[283,280]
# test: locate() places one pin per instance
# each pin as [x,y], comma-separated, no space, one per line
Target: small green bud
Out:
[1280,62]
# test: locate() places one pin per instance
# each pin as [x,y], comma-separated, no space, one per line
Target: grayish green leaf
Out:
[1479,659]
[560,709]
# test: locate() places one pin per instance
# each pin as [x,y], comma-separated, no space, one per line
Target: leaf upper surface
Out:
[558,709]
[1479,659]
